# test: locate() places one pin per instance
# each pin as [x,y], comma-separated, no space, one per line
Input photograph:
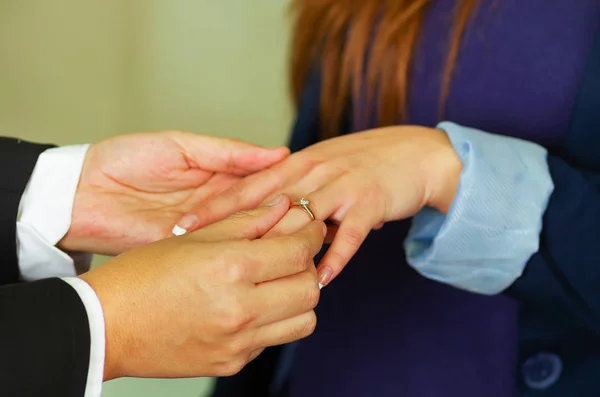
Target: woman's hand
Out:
[358,181]
[134,187]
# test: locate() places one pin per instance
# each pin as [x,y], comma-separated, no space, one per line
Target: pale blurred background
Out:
[75,71]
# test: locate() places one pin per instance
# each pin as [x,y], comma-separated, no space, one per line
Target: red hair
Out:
[337,33]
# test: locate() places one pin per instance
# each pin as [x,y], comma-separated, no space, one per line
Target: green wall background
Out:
[74,71]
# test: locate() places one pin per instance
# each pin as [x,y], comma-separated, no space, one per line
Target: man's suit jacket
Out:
[44,329]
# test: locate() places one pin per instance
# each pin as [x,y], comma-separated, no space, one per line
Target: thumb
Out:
[249,225]
[250,159]
[232,156]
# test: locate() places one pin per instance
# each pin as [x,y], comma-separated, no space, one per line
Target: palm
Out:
[134,188]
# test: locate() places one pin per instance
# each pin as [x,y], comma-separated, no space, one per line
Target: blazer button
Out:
[541,370]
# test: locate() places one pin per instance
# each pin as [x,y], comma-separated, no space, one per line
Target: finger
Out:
[320,175]
[322,203]
[207,190]
[295,219]
[378,226]
[285,298]
[286,331]
[244,195]
[248,193]
[286,255]
[332,200]
[245,225]
[255,354]
[351,233]
[346,202]
[231,156]
[246,161]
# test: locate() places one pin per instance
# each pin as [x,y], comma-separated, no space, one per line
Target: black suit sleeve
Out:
[254,380]
[44,340]
[44,328]
[17,160]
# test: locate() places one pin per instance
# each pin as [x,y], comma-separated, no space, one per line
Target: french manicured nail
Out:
[186,223]
[178,231]
[325,276]
[275,201]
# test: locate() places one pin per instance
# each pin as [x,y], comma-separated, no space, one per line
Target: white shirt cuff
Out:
[95,315]
[45,215]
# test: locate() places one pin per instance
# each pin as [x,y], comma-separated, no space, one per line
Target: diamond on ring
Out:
[304,204]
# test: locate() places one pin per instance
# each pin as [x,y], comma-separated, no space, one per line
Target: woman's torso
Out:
[386,331]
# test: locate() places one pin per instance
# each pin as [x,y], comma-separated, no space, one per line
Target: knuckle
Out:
[234,272]
[230,159]
[353,236]
[308,160]
[322,168]
[336,258]
[240,216]
[273,178]
[237,346]
[304,254]
[374,195]
[309,326]
[246,220]
[236,192]
[333,167]
[252,355]
[235,318]
[313,294]
[231,367]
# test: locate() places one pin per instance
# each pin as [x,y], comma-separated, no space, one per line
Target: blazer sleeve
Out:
[17,161]
[525,223]
[563,276]
[44,328]
[44,340]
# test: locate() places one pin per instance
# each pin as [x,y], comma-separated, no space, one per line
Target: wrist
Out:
[112,360]
[443,172]
[77,237]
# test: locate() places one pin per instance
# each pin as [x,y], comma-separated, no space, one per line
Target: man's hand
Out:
[133,188]
[207,303]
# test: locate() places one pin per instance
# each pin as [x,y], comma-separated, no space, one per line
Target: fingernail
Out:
[325,276]
[324,230]
[178,231]
[186,223]
[275,201]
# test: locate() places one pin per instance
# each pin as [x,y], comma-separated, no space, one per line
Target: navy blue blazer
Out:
[559,292]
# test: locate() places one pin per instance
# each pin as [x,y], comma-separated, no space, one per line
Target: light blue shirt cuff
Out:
[493,226]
